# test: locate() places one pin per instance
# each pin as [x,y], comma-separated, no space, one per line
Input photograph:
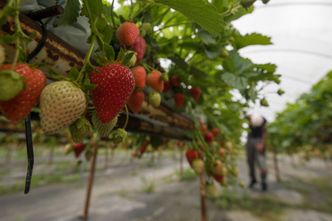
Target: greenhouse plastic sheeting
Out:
[301,31]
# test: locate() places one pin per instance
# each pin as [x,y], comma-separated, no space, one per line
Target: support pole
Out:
[276,166]
[90,181]
[181,162]
[202,193]
[106,157]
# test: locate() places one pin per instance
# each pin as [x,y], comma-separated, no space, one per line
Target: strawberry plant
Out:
[192,41]
[311,122]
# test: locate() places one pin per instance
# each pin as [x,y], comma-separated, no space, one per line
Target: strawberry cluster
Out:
[212,156]
[177,88]
[129,36]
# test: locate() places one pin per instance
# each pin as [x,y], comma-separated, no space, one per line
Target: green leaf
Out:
[206,37]
[92,10]
[242,41]
[236,64]
[109,52]
[268,67]
[199,11]
[88,86]
[73,74]
[129,58]
[52,74]
[71,13]
[212,51]
[235,81]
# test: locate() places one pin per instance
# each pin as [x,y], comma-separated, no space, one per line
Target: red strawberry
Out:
[139,47]
[139,152]
[219,179]
[143,148]
[78,149]
[114,84]
[208,137]
[20,106]
[127,33]
[191,155]
[135,101]
[195,93]
[175,81]
[222,151]
[167,86]
[179,99]
[140,76]
[215,131]
[154,80]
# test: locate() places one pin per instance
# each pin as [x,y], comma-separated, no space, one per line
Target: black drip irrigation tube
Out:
[27,121]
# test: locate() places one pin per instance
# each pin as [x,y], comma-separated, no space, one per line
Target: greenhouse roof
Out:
[302,49]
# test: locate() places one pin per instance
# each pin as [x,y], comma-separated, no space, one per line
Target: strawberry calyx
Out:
[11,84]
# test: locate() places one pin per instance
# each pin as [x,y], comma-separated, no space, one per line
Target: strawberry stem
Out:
[127,117]
[87,58]
[130,10]
[112,13]
[17,52]
[18,31]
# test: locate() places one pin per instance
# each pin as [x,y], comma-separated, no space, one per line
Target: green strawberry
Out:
[155,99]
[164,77]
[280,92]
[11,84]
[264,102]
[146,28]
[118,135]
[224,53]
[61,104]
[104,130]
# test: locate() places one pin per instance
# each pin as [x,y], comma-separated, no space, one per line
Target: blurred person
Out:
[256,148]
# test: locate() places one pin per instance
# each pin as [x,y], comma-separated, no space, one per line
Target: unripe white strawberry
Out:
[212,191]
[61,104]
[198,166]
